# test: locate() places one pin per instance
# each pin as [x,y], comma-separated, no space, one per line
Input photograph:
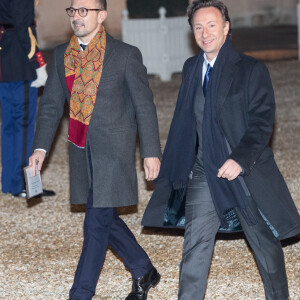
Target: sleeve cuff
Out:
[41,150]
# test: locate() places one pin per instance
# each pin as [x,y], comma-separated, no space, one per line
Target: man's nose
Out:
[77,15]
[205,32]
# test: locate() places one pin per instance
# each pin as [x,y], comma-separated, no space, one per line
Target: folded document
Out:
[33,183]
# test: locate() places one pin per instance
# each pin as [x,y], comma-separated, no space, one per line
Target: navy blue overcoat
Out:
[245,112]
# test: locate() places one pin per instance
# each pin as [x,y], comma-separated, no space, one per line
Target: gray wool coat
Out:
[123,107]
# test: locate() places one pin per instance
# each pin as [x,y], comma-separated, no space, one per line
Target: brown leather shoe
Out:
[141,286]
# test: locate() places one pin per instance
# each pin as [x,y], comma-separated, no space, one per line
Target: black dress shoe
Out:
[45,193]
[48,193]
[141,286]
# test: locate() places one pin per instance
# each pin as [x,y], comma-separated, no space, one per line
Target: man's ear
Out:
[226,28]
[102,16]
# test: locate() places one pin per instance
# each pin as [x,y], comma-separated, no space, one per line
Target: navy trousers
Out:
[18,110]
[103,227]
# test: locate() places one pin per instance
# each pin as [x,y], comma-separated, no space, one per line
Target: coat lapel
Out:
[109,50]
[193,79]
[60,65]
[226,79]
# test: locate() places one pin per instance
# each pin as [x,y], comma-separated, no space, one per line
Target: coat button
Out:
[0,48]
[2,31]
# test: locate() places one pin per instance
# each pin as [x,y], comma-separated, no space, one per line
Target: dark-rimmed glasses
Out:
[82,11]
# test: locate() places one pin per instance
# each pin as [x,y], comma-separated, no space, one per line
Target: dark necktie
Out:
[83,46]
[206,79]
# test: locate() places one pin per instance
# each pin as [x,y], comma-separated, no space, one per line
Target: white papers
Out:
[33,183]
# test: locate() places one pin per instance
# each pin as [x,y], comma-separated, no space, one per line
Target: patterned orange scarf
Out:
[83,71]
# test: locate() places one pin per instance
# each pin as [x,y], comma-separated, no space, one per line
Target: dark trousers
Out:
[18,109]
[202,224]
[103,227]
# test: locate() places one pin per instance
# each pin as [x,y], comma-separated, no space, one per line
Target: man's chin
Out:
[79,34]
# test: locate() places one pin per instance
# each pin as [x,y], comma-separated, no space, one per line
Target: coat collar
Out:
[110,41]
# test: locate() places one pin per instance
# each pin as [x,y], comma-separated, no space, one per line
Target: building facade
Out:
[53,23]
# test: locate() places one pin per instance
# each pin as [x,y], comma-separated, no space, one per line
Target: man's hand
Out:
[151,167]
[230,170]
[36,159]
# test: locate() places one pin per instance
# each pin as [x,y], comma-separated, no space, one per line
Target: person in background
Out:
[22,72]
[106,86]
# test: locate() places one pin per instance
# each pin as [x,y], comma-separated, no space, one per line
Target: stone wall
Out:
[53,22]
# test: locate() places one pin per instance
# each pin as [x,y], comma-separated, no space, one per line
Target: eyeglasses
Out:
[82,11]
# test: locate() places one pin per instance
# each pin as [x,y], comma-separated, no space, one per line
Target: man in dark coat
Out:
[106,86]
[218,148]
[22,71]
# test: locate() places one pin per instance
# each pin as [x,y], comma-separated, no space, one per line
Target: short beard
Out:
[77,22]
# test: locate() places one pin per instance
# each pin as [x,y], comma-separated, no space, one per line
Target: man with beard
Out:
[107,90]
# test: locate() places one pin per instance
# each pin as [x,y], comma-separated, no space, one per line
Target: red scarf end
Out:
[77,133]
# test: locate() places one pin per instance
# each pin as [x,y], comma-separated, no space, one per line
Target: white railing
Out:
[165,43]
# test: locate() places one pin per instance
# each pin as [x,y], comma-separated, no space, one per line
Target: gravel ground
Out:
[41,239]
